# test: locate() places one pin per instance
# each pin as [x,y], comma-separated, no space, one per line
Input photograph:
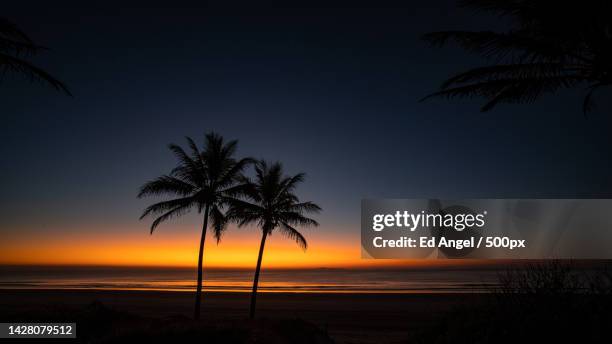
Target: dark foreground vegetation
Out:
[98,323]
[546,303]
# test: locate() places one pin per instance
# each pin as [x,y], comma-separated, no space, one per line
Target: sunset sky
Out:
[330,93]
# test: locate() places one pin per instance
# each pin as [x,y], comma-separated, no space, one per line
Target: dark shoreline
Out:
[161,303]
[346,317]
[112,316]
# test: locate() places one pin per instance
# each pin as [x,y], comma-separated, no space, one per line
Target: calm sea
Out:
[447,280]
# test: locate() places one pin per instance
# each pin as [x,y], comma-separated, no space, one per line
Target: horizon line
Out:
[424,265]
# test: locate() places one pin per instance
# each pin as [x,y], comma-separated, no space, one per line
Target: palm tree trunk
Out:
[256,279]
[198,299]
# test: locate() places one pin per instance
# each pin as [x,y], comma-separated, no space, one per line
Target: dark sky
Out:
[331,92]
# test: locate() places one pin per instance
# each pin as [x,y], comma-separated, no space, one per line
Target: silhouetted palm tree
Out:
[14,46]
[551,45]
[272,205]
[205,180]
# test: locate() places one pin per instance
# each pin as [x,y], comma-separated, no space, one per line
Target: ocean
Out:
[324,280]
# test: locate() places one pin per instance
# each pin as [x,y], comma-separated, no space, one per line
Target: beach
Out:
[347,317]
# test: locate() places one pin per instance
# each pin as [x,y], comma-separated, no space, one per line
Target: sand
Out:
[348,318]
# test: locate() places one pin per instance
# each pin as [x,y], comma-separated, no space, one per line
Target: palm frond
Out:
[196,156]
[500,7]
[293,234]
[229,149]
[304,207]
[542,52]
[490,44]
[290,183]
[514,71]
[218,222]
[166,185]
[31,72]
[184,159]
[233,172]
[161,207]
[235,191]
[188,169]
[588,103]
[243,212]
[174,212]
[297,219]
[15,41]
[14,46]
[519,90]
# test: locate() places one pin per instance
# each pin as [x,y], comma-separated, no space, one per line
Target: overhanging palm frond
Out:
[509,90]
[14,46]
[500,7]
[30,71]
[489,44]
[515,71]
[551,45]
[587,104]
[15,41]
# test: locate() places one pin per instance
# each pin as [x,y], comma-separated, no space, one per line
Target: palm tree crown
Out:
[273,205]
[207,177]
[14,46]
[552,45]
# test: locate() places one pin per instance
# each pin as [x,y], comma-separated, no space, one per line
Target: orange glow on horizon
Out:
[169,247]
[177,246]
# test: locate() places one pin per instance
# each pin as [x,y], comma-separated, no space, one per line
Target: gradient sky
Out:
[330,92]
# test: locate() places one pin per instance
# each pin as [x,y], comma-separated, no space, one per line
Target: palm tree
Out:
[551,45]
[205,180]
[14,45]
[272,205]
